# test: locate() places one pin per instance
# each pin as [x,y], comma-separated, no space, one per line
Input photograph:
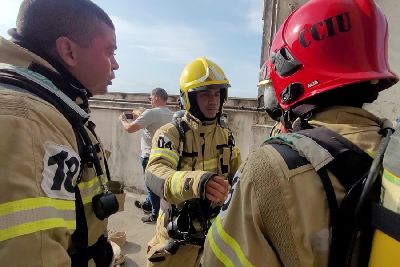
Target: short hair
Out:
[42,22]
[160,92]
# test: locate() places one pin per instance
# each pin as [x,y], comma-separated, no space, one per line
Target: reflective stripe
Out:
[88,184]
[30,215]
[32,227]
[89,189]
[225,247]
[372,154]
[176,182]
[34,203]
[23,216]
[88,198]
[391,177]
[168,154]
[161,216]
[165,151]
[217,251]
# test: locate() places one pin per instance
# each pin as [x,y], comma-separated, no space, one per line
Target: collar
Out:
[341,117]
[66,83]
[196,124]
[356,124]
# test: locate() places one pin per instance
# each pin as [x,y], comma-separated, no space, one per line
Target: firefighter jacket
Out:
[277,213]
[39,166]
[206,152]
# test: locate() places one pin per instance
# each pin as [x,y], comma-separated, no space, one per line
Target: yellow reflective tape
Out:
[165,151]
[217,251]
[372,154]
[175,183]
[163,155]
[88,184]
[230,241]
[179,183]
[34,203]
[391,177]
[172,153]
[88,199]
[36,226]
[161,215]
[89,189]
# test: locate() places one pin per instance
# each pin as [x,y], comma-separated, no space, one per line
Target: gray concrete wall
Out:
[388,103]
[247,124]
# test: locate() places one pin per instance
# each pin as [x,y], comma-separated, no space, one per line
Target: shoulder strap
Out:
[351,163]
[182,128]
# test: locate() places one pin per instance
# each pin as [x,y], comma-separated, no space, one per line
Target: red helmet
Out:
[329,44]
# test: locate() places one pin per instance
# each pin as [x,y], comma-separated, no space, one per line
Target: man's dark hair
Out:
[160,92]
[42,22]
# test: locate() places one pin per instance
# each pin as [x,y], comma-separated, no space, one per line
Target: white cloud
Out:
[254,15]
[160,40]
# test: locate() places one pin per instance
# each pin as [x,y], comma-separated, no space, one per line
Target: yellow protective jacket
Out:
[278,214]
[205,153]
[39,165]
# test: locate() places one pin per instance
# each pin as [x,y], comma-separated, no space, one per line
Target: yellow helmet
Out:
[197,75]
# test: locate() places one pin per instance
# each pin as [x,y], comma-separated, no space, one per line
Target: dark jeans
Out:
[151,198]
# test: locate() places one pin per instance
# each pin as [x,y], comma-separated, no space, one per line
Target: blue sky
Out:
[157,38]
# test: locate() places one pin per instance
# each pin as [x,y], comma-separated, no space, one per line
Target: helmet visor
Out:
[203,88]
[271,104]
[270,100]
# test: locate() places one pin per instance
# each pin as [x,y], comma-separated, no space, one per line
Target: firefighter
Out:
[54,188]
[327,59]
[191,162]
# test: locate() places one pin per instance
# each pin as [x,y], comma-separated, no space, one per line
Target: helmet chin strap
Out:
[199,115]
[296,119]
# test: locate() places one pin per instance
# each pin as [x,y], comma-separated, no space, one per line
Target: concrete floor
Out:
[137,233]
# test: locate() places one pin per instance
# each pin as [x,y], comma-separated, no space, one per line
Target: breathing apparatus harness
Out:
[354,220]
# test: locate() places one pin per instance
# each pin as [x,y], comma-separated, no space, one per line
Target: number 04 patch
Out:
[61,167]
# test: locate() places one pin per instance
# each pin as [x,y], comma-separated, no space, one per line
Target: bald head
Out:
[41,22]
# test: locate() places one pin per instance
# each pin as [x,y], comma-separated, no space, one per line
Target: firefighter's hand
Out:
[217,188]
